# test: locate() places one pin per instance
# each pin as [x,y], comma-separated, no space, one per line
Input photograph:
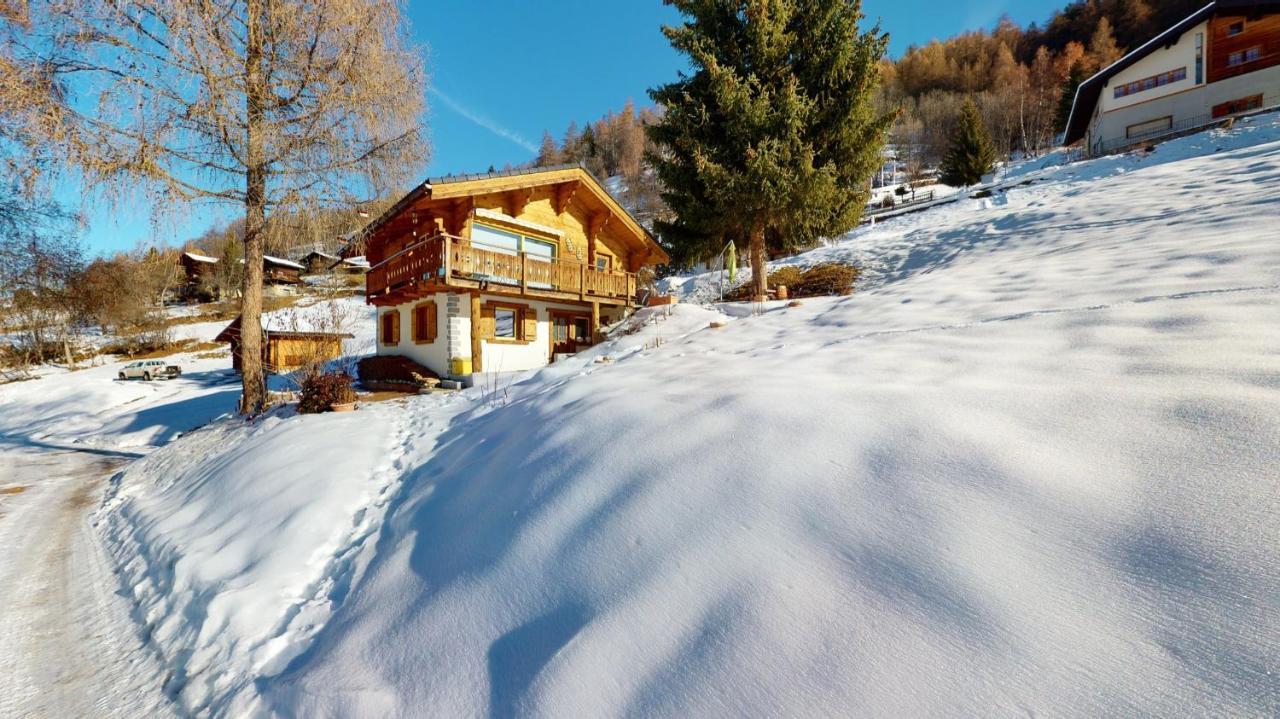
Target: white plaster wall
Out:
[434,355]
[1194,106]
[1182,54]
[502,357]
[453,335]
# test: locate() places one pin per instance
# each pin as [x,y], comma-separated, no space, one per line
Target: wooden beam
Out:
[515,200]
[563,195]
[596,223]
[476,362]
[595,322]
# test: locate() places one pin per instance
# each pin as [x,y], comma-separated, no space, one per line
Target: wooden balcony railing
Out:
[454,261]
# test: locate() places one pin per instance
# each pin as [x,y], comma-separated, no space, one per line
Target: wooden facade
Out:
[516,250]
[1240,44]
[276,271]
[284,351]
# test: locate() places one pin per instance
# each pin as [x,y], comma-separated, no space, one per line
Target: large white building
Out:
[1222,61]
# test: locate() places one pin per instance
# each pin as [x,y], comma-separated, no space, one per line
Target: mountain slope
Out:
[1031,469]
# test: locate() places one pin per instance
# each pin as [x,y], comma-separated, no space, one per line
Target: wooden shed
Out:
[286,351]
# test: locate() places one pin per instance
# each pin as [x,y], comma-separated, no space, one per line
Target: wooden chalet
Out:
[196,270]
[286,351]
[503,271]
[278,271]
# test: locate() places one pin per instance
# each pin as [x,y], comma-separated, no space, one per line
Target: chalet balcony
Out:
[446,261]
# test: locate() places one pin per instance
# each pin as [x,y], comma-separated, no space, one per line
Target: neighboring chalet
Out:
[285,351]
[277,271]
[317,262]
[197,270]
[1222,61]
[501,272]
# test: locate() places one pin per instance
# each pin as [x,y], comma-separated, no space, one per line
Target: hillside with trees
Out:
[1021,79]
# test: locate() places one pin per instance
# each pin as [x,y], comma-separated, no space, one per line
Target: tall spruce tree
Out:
[971,154]
[774,134]
[1074,79]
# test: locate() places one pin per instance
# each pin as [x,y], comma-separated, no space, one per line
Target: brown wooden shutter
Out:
[488,322]
[430,309]
[529,316]
[390,327]
[393,327]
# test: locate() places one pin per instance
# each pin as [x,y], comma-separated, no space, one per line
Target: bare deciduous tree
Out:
[277,107]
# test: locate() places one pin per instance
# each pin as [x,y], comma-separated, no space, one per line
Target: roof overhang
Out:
[1090,91]
[464,186]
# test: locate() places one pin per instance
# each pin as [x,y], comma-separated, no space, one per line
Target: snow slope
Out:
[1029,469]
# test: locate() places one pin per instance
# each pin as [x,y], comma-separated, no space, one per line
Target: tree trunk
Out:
[759,265]
[254,398]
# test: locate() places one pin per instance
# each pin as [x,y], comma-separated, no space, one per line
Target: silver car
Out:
[149,370]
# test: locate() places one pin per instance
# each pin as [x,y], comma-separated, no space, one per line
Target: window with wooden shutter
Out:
[508,323]
[391,328]
[424,322]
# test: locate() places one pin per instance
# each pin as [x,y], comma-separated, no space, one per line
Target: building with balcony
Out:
[503,272]
[1220,62]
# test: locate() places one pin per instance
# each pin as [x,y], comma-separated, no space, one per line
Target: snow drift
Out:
[1030,469]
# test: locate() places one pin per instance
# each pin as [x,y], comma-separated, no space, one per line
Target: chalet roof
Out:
[318,253]
[460,186]
[1091,90]
[268,259]
[200,258]
[304,329]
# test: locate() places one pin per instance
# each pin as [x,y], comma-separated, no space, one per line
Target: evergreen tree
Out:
[971,155]
[774,134]
[1077,76]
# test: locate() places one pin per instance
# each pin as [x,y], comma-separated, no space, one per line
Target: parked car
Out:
[149,370]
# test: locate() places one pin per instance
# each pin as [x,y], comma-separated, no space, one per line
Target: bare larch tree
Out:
[279,107]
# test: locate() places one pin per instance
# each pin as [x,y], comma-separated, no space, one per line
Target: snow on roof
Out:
[318,253]
[358,261]
[201,258]
[286,263]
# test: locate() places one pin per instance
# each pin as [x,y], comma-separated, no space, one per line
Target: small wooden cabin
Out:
[502,272]
[278,271]
[286,351]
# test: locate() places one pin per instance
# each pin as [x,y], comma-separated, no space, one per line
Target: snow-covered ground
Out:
[1029,468]
[71,638]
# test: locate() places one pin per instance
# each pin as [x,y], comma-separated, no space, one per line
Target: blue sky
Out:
[502,71]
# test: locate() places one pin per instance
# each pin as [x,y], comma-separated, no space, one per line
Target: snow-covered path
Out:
[70,648]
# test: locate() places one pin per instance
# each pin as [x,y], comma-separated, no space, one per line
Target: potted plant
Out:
[328,392]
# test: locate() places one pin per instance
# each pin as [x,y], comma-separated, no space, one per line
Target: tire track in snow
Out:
[68,642]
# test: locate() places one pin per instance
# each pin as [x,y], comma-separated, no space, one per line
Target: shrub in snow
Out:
[830,278]
[320,392]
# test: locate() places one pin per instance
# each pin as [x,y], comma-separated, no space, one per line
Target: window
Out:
[1235,28]
[424,323]
[1150,127]
[391,328]
[508,323]
[604,262]
[1244,104]
[1200,58]
[508,242]
[1237,59]
[504,323]
[1151,83]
